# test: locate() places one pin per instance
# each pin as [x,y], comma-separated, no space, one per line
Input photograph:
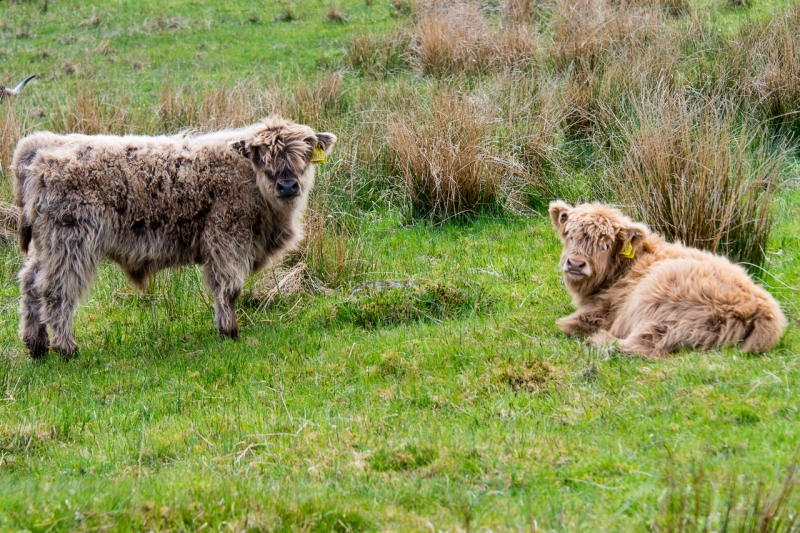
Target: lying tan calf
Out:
[652,297]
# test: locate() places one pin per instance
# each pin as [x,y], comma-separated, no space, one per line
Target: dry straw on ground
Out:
[8,221]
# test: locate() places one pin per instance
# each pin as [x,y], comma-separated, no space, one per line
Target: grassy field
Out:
[449,400]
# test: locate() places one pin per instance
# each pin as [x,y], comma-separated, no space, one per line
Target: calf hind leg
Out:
[32,329]
[67,272]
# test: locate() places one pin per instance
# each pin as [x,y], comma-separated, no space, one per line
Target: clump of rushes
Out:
[10,134]
[585,31]
[375,54]
[444,151]
[318,98]
[455,38]
[694,174]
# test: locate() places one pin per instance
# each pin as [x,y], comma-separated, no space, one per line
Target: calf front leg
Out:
[583,321]
[226,286]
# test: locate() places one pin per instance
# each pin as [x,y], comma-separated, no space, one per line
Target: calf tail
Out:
[765,329]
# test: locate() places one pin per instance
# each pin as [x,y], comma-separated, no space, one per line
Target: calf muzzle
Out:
[287,188]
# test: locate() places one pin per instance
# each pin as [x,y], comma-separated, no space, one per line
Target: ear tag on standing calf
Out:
[319,155]
[628,252]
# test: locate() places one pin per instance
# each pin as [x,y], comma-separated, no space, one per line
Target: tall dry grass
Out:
[770,75]
[455,38]
[374,54]
[443,149]
[10,133]
[317,100]
[586,31]
[531,140]
[695,174]
[518,11]
[213,107]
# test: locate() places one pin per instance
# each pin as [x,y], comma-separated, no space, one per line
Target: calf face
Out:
[597,241]
[283,154]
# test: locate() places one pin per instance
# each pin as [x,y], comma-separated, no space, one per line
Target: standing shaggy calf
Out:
[231,201]
[652,297]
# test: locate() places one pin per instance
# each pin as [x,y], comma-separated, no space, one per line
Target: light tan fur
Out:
[665,298]
[230,201]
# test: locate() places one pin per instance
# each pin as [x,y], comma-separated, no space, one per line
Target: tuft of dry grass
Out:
[518,11]
[10,134]
[444,152]
[317,99]
[90,113]
[214,107]
[288,12]
[696,176]
[769,56]
[335,14]
[378,54]
[454,38]
[585,31]
[532,138]
[330,257]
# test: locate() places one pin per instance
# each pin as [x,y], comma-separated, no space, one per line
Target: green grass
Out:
[185,41]
[449,402]
[492,418]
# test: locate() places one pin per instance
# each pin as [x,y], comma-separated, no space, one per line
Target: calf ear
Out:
[326,141]
[559,213]
[635,235]
[244,148]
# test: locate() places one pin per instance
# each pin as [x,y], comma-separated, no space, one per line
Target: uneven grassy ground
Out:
[340,411]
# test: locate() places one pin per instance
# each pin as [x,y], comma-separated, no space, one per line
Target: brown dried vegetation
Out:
[696,176]
[443,151]
[455,38]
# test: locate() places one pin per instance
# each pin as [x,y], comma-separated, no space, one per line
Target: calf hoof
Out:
[37,343]
[229,334]
[70,351]
[36,347]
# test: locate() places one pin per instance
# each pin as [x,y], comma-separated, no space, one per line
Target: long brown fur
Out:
[150,203]
[665,298]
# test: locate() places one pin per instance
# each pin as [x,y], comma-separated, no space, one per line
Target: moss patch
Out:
[388,303]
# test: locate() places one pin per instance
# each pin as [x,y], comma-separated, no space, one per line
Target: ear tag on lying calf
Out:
[628,252]
[319,155]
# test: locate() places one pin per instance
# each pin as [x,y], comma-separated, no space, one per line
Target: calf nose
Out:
[286,188]
[575,265]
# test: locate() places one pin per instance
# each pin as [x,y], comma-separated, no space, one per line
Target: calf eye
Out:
[605,247]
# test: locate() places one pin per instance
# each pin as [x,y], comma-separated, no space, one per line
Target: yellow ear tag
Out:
[319,155]
[628,252]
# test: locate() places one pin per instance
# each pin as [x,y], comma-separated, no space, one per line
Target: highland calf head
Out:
[597,242]
[283,155]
